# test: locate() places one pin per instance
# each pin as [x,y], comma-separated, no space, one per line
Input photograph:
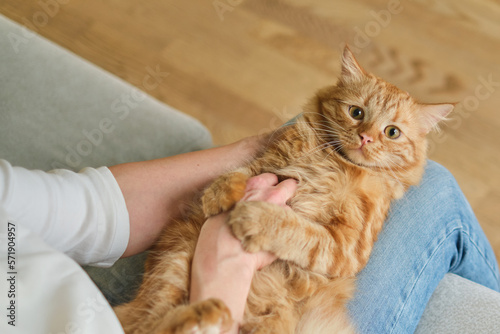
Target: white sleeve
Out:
[44,291]
[81,214]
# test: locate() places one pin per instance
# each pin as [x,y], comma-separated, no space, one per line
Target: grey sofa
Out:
[59,111]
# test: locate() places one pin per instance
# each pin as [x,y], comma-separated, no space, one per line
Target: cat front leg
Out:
[224,192]
[289,236]
[210,316]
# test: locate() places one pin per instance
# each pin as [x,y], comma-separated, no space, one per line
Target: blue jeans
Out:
[431,231]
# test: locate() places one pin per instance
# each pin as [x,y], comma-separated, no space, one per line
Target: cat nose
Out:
[365,138]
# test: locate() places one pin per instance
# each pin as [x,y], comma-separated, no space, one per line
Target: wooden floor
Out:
[244,67]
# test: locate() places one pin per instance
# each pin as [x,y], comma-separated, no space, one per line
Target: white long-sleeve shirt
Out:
[50,222]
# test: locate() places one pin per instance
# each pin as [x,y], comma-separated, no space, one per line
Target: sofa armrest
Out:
[461,306]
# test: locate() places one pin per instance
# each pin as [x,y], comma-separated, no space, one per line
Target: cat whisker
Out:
[326,121]
[391,171]
[316,149]
[325,132]
[325,126]
[334,150]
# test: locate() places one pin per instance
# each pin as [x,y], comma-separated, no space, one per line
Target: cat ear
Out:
[432,114]
[351,70]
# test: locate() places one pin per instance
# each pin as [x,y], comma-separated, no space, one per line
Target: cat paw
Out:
[252,224]
[210,316]
[223,193]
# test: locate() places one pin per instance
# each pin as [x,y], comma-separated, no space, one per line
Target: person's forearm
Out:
[222,270]
[156,190]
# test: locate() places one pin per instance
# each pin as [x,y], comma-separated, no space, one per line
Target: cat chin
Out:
[357,157]
[353,157]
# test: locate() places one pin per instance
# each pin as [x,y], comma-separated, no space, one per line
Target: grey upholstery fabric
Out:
[59,111]
[461,306]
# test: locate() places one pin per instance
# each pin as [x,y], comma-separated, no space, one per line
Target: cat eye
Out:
[392,132]
[356,112]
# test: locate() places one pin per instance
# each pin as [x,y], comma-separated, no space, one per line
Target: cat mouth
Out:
[356,156]
[341,152]
[360,152]
[353,155]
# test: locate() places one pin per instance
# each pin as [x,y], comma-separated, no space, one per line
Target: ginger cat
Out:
[358,145]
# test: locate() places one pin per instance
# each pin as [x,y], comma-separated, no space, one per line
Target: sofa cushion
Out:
[461,306]
[57,110]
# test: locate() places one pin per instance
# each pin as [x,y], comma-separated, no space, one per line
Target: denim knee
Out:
[472,246]
[440,189]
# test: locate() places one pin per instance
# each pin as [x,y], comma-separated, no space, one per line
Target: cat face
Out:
[373,123]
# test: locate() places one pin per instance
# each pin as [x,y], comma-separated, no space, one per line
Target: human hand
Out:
[221,268]
[265,188]
[216,234]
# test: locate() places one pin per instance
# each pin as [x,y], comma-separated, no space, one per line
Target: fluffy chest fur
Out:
[331,189]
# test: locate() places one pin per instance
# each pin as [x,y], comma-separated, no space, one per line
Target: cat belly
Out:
[289,299]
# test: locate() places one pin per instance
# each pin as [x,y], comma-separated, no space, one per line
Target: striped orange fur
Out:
[358,146]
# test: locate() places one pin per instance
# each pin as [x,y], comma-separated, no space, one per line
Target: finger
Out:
[264,259]
[261,181]
[286,189]
[279,194]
